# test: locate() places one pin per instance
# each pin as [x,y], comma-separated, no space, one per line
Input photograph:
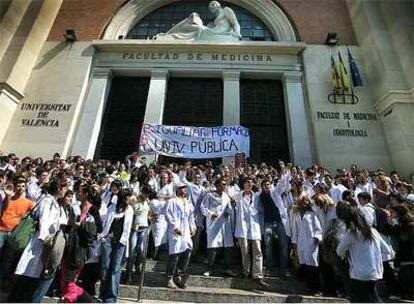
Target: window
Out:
[124,115]
[164,18]
[263,112]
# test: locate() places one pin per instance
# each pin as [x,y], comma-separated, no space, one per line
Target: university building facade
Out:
[80,77]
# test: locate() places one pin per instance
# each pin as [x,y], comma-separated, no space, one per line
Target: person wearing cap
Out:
[181,227]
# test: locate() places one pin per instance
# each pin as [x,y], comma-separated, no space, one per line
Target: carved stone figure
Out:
[225,26]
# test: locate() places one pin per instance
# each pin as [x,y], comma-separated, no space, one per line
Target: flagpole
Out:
[342,81]
[351,82]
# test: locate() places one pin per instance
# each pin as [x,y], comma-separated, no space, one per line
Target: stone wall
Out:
[339,139]
[46,117]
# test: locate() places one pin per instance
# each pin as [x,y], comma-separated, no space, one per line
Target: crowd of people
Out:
[66,224]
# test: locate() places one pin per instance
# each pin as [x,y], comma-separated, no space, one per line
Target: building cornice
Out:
[392,97]
[285,48]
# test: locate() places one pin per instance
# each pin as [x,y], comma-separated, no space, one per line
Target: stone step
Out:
[161,266]
[277,284]
[218,295]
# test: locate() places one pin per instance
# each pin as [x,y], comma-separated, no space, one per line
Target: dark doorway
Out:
[196,102]
[123,118]
[263,112]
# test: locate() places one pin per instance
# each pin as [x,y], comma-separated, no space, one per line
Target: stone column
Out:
[92,114]
[297,119]
[231,98]
[157,94]
[231,103]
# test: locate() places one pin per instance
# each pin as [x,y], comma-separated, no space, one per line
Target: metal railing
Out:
[144,262]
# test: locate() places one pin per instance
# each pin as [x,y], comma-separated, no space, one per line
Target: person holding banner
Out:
[181,227]
[217,209]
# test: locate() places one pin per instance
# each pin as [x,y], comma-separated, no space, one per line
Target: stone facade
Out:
[53,93]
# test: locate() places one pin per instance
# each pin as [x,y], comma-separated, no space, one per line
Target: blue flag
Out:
[356,76]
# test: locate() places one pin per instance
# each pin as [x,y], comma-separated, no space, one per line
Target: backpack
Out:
[22,234]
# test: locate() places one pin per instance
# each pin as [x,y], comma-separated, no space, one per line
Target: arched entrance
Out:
[269,56]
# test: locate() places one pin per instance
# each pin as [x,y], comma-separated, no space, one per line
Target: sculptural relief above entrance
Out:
[225,26]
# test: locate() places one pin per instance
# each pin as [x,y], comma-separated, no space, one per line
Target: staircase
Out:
[217,289]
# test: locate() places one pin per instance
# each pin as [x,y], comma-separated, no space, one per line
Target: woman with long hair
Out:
[82,230]
[33,283]
[402,230]
[115,239]
[381,191]
[140,205]
[306,235]
[326,213]
[361,245]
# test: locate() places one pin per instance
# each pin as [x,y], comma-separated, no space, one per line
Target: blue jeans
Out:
[136,248]
[42,289]
[275,238]
[112,255]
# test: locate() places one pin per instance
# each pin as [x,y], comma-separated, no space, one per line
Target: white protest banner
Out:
[194,142]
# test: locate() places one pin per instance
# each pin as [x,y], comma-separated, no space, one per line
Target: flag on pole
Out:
[356,76]
[344,73]
[335,75]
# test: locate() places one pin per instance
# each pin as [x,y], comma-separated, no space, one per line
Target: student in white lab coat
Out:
[325,211]
[115,238]
[196,192]
[217,208]
[388,253]
[306,236]
[362,246]
[157,210]
[181,227]
[249,223]
[32,285]
[109,197]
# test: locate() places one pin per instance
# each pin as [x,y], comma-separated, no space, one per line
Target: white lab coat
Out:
[34,191]
[282,207]
[195,195]
[359,188]
[180,215]
[112,214]
[167,190]
[248,217]
[308,188]
[365,259]
[327,219]
[336,192]
[153,183]
[107,199]
[51,216]
[159,225]
[307,227]
[220,230]
[369,213]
